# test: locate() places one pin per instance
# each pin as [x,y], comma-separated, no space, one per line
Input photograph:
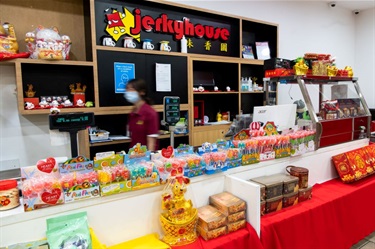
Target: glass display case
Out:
[335,106]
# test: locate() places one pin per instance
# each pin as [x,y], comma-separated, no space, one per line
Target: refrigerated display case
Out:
[336,106]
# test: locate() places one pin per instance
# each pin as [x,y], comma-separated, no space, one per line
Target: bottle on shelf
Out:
[183,45]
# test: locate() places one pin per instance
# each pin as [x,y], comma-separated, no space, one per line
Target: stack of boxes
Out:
[225,214]
[277,191]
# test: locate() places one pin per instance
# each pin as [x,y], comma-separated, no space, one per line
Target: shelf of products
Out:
[91,59]
[335,105]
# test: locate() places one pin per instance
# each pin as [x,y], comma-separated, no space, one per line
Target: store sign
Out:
[132,24]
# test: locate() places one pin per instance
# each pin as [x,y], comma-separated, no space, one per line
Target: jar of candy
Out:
[9,195]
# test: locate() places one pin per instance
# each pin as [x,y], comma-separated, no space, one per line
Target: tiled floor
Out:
[366,243]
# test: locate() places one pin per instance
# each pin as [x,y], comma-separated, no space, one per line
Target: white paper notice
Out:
[163,77]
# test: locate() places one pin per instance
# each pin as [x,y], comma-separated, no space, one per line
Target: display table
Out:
[338,216]
[241,239]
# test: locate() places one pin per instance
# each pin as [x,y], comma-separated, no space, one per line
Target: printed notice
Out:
[163,77]
[123,73]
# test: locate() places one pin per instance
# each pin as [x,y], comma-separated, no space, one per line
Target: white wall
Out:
[365,53]
[303,27]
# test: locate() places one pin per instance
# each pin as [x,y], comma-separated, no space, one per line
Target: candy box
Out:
[79,180]
[274,204]
[112,160]
[304,194]
[114,179]
[232,227]
[210,218]
[41,186]
[227,203]
[274,185]
[143,172]
[290,199]
[207,235]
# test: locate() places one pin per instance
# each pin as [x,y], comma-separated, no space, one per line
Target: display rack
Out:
[336,128]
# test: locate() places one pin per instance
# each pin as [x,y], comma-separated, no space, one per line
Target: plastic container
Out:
[100,135]
[9,195]
[183,45]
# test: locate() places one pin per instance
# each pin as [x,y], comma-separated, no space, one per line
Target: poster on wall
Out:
[123,73]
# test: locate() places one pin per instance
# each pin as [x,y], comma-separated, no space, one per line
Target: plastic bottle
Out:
[250,83]
[183,45]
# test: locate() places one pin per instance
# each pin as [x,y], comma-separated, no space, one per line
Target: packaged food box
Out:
[274,204]
[290,199]
[210,218]
[262,208]
[207,235]
[273,185]
[305,194]
[236,225]
[290,184]
[262,190]
[236,216]
[227,203]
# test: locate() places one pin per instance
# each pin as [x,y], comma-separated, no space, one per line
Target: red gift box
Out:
[355,164]
[77,96]
[279,72]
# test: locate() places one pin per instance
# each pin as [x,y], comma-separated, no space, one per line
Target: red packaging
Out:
[278,72]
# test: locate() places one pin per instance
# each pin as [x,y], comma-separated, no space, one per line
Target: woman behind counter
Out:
[143,123]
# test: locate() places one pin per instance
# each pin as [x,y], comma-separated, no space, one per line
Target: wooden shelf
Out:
[62,110]
[139,50]
[55,62]
[253,92]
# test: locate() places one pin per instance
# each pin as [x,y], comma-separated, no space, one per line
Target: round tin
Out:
[9,195]
[301,173]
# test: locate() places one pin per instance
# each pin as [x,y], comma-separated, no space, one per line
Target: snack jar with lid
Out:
[9,195]
[301,173]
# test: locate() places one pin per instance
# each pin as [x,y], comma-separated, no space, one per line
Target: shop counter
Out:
[338,216]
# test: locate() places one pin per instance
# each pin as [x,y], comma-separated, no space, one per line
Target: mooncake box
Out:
[227,203]
[210,218]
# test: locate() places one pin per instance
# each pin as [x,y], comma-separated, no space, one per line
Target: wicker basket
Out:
[177,234]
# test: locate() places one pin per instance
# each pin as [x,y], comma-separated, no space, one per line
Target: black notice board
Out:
[144,68]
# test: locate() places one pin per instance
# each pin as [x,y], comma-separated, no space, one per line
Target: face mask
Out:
[132,97]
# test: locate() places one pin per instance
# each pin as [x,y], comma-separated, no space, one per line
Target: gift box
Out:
[210,218]
[274,204]
[232,227]
[353,165]
[290,199]
[304,194]
[227,203]
[278,72]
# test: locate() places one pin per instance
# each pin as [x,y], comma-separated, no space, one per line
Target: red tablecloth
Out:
[338,216]
[242,239]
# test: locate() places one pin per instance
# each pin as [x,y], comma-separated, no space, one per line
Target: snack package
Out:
[69,231]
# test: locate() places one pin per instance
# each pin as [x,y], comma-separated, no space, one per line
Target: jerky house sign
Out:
[131,24]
